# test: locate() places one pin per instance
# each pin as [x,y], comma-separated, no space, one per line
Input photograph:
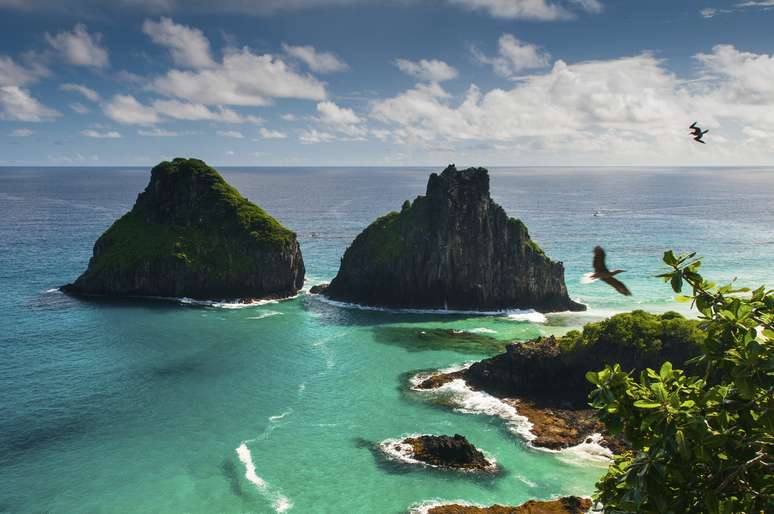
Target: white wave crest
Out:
[425,506]
[482,330]
[469,401]
[530,316]
[395,449]
[265,315]
[466,400]
[588,278]
[515,314]
[279,502]
[278,417]
[224,304]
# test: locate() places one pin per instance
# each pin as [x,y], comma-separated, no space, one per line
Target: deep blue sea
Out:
[165,406]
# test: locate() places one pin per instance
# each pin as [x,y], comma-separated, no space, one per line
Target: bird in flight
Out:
[605,275]
[697,133]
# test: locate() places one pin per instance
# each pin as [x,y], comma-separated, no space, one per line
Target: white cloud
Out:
[16,104]
[289,117]
[708,12]
[230,153]
[430,70]
[514,56]
[517,9]
[271,134]
[231,133]
[79,108]
[112,134]
[242,78]
[187,45]
[157,132]
[193,112]
[312,136]
[22,132]
[321,62]
[593,6]
[79,47]
[632,108]
[13,74]
[126,109]
[335,115]
[87,93]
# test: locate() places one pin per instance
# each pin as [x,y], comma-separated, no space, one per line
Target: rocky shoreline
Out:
[553,428]
[564,505]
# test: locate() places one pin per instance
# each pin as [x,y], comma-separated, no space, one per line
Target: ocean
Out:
[175,406]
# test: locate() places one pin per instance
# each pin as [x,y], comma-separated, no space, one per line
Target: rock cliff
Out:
[453,248]
[191,234]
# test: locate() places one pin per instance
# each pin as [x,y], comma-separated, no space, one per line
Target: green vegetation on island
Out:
[190,233]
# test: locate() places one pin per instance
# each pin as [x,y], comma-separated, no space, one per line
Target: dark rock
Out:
[318,289]
[192,234]
[452,248]
[565,505]
[448,452]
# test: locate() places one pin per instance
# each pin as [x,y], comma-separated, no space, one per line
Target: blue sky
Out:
[386,82]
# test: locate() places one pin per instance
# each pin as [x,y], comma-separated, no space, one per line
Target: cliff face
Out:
[452,248]
[191,234]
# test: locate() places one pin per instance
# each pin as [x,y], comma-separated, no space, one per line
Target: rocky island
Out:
[544,379]
[442,451]
[453,248]
[191,234]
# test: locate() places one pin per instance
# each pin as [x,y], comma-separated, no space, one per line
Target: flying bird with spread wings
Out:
[605,275]
[697,133]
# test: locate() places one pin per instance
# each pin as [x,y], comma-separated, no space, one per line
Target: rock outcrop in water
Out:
[453,248]
[445,451]
[191,234]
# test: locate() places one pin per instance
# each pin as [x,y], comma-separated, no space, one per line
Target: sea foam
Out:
[279,502]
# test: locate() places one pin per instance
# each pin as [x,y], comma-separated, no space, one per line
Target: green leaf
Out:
[677,283]
[645,404]
[669,258]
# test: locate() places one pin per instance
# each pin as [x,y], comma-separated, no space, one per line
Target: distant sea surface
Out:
[164,406]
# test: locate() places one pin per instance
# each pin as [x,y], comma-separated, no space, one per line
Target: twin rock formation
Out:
[191,234]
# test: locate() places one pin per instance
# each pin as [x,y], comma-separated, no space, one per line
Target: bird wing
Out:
[617,285]
[693,125]
[599,260]
[696,131]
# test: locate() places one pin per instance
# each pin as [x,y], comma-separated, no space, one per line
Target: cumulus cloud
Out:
[16,104]
[321,62]
[79,108]
[631,106]
[14,74]
[242,78]
[517,9]
[157,132]
[187,45]
[271,134]
[514,56]
[231,133]
[112,134]
[313,136]
[79,47]
[127,110]
[431,70]
[86,92]
[342,119]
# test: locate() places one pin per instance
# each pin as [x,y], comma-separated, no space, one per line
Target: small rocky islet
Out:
[453,248]
[191,234]
[443,451]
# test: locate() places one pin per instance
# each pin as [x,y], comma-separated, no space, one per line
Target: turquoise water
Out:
[141,406]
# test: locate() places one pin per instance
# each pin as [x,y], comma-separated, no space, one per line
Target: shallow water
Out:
[157,406]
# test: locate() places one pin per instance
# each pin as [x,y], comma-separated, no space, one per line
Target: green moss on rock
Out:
[190,233]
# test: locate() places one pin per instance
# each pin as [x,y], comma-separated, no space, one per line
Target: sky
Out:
[386,82]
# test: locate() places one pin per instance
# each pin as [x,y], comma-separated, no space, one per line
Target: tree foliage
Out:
[701,441]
